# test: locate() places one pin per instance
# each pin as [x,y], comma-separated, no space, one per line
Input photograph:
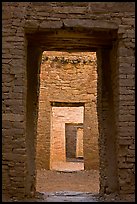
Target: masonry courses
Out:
[29,29]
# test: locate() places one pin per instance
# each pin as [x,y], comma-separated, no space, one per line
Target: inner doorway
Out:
[66,141]
[74,140]
[64,79]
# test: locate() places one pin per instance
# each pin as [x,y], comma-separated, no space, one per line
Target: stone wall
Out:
[29,28]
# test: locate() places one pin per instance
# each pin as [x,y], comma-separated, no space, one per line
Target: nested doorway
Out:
[66,140]
[105,44]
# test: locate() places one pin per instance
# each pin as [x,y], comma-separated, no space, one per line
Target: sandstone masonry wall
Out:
[29,28]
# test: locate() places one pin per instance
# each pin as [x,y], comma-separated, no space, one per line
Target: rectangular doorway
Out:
[64,143]
[74,141]
[68,81]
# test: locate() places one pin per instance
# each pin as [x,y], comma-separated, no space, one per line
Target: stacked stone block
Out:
[22,24]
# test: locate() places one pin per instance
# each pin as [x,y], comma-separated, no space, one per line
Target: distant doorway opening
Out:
[66,145]
[74,141]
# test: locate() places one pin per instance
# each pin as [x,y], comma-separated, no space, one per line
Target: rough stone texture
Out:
[28,28]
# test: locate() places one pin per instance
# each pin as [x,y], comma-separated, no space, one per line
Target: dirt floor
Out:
[68,176]
[82,181]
